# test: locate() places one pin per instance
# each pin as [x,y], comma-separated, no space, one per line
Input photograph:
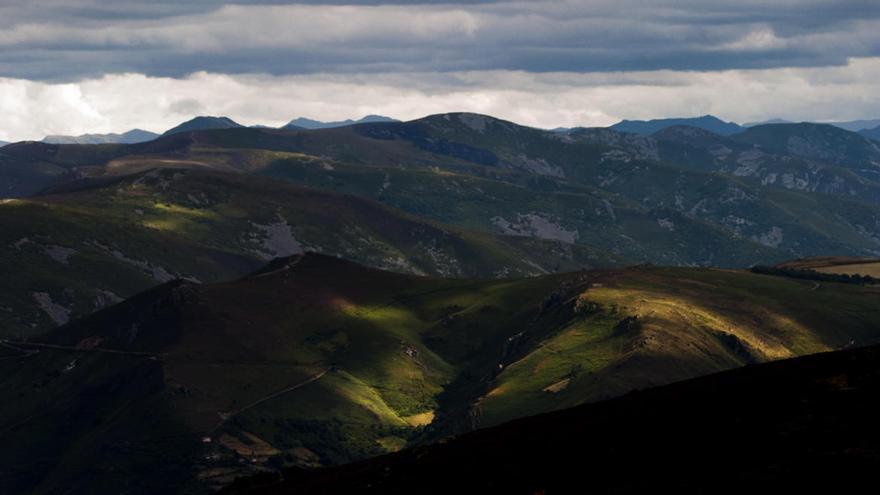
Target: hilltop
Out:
[316,361]
[707,122]
[304,123]
[202,124]
[824,143]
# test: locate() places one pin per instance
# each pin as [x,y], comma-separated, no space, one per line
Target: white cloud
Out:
[119,102]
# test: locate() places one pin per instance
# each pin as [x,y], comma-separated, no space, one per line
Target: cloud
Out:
[119,102]
[75,66]
[67,40]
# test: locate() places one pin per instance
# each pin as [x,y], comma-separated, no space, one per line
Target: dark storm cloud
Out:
[71,39]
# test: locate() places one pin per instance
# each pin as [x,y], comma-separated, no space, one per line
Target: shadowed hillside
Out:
[95,242]
[806,424]
[315,361]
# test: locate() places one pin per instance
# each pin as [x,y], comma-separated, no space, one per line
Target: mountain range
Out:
[869,128]
[131,137]
[304,123]
[680,196]
[225,301]
[716,125]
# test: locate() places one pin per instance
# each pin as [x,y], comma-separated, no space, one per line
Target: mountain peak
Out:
[203,123]
[306,123]
[707,122]
[475,121]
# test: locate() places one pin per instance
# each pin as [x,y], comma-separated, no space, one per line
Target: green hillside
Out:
[801,425]
[682,197]
[317,361]
[97,243]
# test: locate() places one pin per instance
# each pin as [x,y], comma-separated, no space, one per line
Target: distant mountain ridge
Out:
[765,122]
[203,123]
[304,123]
[706,122]
[849,125]
[133,136]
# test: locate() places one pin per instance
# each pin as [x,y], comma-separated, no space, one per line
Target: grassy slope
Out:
[869,269]
[397,348]
[796,426]
[212,227]
[688,323]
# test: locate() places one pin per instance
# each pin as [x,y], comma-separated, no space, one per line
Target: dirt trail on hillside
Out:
[224,417]
[16,345]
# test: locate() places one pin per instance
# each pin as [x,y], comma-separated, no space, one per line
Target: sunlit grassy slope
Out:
[869,266]
[869,269]
[314,360]
[91,244]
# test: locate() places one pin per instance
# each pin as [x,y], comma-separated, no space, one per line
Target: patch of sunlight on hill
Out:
[361,394]
[627,323]
[177,218]
[870,269]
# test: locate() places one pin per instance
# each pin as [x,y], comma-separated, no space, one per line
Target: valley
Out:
[767,423]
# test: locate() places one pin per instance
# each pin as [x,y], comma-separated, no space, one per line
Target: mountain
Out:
[212,226]
[707,122]
[764,156]
[823,143]
[852,125]
[800,425]
[303,123]
[683,196]
[315,361]
[203,124]
[131,137]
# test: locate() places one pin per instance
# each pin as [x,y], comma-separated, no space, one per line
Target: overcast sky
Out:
[76,66]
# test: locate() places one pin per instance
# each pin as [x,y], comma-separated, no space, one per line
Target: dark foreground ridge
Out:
[802,424]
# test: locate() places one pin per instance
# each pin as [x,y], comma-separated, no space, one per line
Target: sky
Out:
[97,66]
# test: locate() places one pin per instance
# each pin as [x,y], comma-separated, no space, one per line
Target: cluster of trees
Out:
[808,274]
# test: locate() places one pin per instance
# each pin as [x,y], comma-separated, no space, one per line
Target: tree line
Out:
[807,274]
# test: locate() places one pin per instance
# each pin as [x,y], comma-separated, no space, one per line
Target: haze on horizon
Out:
[92,66]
